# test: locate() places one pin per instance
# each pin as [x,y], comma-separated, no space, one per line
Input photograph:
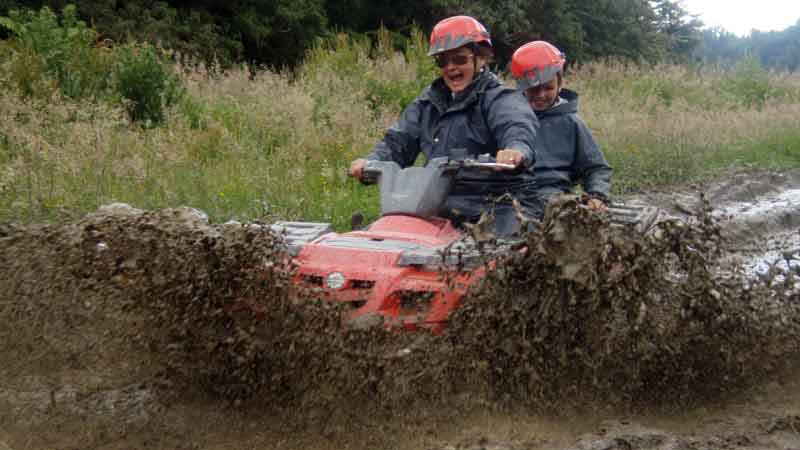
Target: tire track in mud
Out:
[127,317]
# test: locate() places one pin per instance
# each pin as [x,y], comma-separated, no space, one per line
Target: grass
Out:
[276,145]
[671,124]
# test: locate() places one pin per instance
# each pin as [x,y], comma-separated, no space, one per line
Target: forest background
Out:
[277,33]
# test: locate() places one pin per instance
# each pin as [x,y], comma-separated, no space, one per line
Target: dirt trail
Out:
[123,331]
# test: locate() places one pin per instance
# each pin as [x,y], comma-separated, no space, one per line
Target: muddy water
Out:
[776,245]
[134,329]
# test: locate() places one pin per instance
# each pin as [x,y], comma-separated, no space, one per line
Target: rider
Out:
[464,113]
[569,153]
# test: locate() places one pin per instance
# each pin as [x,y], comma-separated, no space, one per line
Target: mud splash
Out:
[592,313]
[118,316]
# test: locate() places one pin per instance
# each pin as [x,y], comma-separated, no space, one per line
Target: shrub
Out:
[750,85]
[46,47]
[47,53]
[146,84]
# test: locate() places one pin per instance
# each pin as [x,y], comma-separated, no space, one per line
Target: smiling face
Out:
[542,97]
[458,67]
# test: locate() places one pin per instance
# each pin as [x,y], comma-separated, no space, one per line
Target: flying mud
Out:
[156,329]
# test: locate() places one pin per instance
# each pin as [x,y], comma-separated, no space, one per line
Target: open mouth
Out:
[456,77]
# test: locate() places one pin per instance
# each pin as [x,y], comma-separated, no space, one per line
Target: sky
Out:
[741,16]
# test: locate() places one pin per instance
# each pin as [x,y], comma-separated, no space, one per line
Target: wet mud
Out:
[156,329]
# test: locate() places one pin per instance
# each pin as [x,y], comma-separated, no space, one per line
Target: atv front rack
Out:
[642,218]
[297,234]
[463,253]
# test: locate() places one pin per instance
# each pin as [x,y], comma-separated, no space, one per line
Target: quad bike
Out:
[411,267]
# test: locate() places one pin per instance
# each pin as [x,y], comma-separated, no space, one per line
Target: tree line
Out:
[277,33]
[775,49]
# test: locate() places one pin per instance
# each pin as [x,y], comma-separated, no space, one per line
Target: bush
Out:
[46,47]
[750,85]
[146,84]
[47,53]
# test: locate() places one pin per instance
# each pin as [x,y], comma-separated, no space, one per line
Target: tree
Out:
[583,30]
[619,28]
[274,32]
[679,30]
[278,33]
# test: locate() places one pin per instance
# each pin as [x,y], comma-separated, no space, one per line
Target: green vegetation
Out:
[672,124]
[47,54]
[277,33]
[258,144]
[147,86]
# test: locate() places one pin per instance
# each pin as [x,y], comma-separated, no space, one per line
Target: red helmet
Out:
[457,31]
[536,63]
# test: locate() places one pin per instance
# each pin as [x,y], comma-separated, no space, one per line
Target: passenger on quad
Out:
[568,153]
[464,113]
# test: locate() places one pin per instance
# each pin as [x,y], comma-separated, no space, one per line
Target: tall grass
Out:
[673,124]
[254,146]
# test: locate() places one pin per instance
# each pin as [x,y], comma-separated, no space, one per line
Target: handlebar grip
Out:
[496,165]
[488,161]
[369,175]
[490,164]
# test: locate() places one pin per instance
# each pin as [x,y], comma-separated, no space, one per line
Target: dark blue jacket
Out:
[569,154]
[484,118]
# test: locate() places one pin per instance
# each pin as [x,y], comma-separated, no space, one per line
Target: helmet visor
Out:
[536,77]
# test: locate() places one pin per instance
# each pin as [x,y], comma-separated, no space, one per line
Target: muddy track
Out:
[134,329]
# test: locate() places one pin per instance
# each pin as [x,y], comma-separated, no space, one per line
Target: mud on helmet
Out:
[458,31]
[536,63]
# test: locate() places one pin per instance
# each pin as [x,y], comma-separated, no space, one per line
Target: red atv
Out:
[410,268]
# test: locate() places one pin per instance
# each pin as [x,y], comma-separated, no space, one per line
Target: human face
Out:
[457,76]
[542,97]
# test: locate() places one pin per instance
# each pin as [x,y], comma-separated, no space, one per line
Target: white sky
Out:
[741,16]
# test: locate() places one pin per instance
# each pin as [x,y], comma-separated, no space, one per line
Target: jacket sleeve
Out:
[591,166]
[401,141]
[513,123]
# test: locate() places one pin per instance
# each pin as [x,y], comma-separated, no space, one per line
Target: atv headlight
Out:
[334,280]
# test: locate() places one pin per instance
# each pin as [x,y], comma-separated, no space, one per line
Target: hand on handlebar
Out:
[510,156]
[357,168]
[595,204]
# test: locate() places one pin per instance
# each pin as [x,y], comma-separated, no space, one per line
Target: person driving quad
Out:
[568,152]
[464,113]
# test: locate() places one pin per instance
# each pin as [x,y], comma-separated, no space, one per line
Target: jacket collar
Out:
[440,96]
[568,106]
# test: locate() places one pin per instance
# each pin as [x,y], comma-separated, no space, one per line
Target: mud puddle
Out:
[759,216]
[134,329]
[765,231]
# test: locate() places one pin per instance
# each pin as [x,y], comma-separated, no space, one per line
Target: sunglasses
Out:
[457,59]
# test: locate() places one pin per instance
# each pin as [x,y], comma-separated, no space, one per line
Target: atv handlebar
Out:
[422,191]
[370,173]
[487,165]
